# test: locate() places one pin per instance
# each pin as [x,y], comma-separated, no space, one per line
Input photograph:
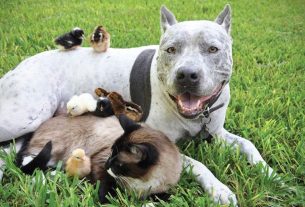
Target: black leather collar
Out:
[209,109]
[140,88]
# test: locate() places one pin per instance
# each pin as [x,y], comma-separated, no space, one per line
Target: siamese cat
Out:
[121,151]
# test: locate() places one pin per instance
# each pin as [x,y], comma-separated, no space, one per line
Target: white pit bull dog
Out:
[182,85]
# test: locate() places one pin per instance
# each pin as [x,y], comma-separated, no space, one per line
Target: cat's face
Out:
[134,156]
[129,159]
[143,160]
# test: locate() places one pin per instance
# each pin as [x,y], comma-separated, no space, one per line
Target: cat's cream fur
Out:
[96,136]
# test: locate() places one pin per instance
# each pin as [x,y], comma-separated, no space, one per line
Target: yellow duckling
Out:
[78,164]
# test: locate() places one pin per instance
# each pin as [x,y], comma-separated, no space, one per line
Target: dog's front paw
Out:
[271,174]
[150,204]
[223,195]
[268,171]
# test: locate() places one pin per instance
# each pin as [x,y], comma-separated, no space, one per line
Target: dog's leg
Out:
[27,99]
[18,117]
[22,110]
[246,147]
[217,190]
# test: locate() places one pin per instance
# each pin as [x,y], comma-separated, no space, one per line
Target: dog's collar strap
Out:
[209,109]
[140,88]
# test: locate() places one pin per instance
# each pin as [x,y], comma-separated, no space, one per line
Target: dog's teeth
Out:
[180,103]
[198,104]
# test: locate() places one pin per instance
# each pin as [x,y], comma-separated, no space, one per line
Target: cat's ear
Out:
[127,124]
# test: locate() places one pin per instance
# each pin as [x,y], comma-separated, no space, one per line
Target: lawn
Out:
[267,90]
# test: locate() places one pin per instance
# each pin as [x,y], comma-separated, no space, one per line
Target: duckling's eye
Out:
[171,50]
[213,49]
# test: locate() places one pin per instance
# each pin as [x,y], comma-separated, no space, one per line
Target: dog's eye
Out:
[171,50]
[213,49]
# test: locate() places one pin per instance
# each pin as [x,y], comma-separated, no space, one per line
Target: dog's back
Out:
[61,75]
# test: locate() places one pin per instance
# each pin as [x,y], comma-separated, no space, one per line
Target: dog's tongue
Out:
[189,101]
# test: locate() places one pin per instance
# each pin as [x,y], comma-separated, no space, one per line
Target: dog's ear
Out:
[224,18]
[167,18]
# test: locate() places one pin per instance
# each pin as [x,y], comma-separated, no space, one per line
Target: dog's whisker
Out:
[222,72]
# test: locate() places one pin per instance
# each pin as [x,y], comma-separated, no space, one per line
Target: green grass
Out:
[267,90]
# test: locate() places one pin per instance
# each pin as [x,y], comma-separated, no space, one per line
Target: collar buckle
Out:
[206,112]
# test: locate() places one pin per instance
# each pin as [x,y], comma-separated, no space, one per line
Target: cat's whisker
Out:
[124,182]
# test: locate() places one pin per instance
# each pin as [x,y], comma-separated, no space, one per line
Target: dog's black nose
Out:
[187,76]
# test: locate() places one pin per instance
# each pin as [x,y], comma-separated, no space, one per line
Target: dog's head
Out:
[194,60]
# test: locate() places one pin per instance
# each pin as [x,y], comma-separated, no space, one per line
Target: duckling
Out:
[78,164]
[71,39]
[100,39]
[81,104]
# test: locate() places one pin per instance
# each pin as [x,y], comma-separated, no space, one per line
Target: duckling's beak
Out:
[69,112]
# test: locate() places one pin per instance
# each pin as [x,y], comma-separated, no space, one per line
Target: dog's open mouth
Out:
[190,106]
